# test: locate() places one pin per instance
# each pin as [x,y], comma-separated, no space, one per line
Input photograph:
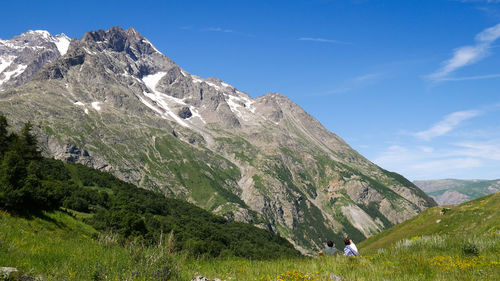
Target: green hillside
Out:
[468,220]
[31,185]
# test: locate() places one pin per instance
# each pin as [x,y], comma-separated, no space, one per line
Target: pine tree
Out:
[12,175]
[4,138]
[29,143]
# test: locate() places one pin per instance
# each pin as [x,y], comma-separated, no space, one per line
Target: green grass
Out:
[464,245]
[419,261]
[58,247]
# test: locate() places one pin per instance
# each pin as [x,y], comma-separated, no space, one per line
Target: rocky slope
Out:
[453,191]
[114,102]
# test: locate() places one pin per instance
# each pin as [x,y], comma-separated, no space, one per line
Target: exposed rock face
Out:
[114,102]
[185,113]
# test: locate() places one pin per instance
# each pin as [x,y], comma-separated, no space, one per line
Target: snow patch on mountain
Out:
[62,43]
[11,74]
[44,33]
[153,46]
[152,80]
[5,62]
[96,105]
[161,99]
[165,101]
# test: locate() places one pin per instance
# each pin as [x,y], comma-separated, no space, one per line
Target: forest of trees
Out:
[30,184]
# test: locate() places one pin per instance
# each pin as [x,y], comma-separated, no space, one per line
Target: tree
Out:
[4,138]
[12,175]
[29,143]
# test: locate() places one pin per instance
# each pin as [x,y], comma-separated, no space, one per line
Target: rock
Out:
[201,278]
[185,113]
[7,270]
[335,277]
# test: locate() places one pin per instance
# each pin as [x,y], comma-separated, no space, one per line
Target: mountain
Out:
[467,221]
[453,191]
[115,103]
[22,56]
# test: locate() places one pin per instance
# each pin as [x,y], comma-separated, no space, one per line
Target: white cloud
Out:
[444,165]
[218,29]
[478,77]
[368,77]
[466,55]
[480,1]
[323,40]
[488,150]
[426,149]
[427,163]
[446,125]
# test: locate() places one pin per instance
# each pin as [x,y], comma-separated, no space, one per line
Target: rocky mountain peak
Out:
[23,55]
[116,39]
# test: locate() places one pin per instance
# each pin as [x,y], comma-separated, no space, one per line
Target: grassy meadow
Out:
[58,246]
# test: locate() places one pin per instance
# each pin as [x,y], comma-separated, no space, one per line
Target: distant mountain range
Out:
[112,101]
[452,191]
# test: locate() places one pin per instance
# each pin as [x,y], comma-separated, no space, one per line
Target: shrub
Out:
[470,249]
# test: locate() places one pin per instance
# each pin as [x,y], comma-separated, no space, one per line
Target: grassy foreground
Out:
[420,258]
[59,247]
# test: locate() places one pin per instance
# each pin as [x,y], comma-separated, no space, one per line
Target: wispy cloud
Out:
[480,1]
[471,153]
[426,162]
[467,55]
[218,29]
[352,83]
[478,77]
[226,30]
[446,125]
[324,40]
[486,149]
[370,77]
[330,92]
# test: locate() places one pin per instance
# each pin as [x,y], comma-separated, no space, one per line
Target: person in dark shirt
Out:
[328,251]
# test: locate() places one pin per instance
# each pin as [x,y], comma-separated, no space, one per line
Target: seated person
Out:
[329,251]
[353,246]
[350,249]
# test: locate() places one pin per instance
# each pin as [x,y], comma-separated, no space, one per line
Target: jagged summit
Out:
[114,102]
[23,55]
[116,39]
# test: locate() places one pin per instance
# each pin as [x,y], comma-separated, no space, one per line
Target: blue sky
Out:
[412,85]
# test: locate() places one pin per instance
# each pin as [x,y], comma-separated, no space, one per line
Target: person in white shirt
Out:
[350,250]
[353,246]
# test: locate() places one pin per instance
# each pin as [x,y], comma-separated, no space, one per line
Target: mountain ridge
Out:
[261,160]
[455,191]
